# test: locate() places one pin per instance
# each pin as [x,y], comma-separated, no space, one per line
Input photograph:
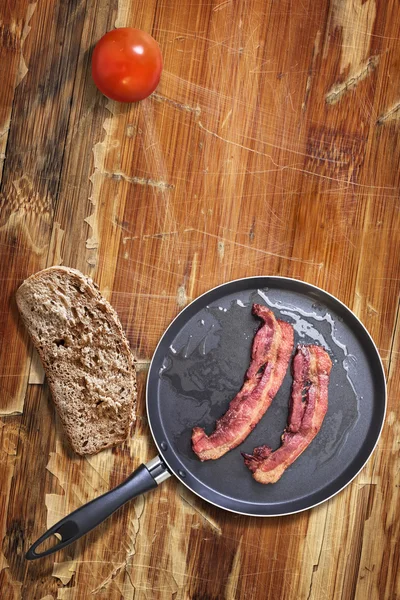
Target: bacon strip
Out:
[272,347]
[309,403]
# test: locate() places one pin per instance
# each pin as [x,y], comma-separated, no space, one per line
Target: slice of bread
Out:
[85,354]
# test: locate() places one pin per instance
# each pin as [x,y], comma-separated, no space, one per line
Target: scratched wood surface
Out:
[271,146]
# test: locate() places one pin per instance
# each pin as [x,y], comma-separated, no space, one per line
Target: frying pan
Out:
[198,367]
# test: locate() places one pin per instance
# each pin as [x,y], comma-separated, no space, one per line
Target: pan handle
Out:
[84,519]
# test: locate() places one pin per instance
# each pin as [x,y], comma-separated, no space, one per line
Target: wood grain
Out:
[271,146]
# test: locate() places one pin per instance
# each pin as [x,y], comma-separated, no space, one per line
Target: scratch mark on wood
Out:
[155,159]
[224,122]
[142,365]
[348,183]
[67,593]
[108,579]
[23,69]
[234,575]
[161,185]
[178,105]
[181,297]
[252,230]
[131,130]
[159,236]
[36,372]
[64,570]
[258,152]
[221,249]
[371,309]
[394,342]
[99,157]
[132,533]
[339,90]
[193,274]
[82,120]
[92,461]
[315,53]
[92,243]
[345,15]
[237,144]
[316,565]
[208,519]
[90,482]
[57,234]
[123,226]
[127,589]
[393,114]
[222,5]
[259,250]
[122,19]
[9,412]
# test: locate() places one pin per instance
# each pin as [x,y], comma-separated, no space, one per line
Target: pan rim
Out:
[381,373]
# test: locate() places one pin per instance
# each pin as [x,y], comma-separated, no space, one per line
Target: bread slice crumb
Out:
[85,354]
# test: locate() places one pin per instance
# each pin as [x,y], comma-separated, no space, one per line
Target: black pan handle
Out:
[84,519]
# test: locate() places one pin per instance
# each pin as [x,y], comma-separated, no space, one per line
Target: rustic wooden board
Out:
[270,147]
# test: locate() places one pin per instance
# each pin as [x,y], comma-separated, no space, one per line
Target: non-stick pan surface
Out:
[199,366]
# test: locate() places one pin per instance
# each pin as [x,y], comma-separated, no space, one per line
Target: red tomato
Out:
[126,64]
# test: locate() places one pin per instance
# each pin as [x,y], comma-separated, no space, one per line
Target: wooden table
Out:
[271,146]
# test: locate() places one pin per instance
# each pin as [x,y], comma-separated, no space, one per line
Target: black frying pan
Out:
[197,368]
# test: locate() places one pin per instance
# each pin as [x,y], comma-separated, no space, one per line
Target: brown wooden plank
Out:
[25,513]
[14,28]
[31,174]
[270,147]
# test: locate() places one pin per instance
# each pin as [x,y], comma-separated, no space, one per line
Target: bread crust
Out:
[85,355]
